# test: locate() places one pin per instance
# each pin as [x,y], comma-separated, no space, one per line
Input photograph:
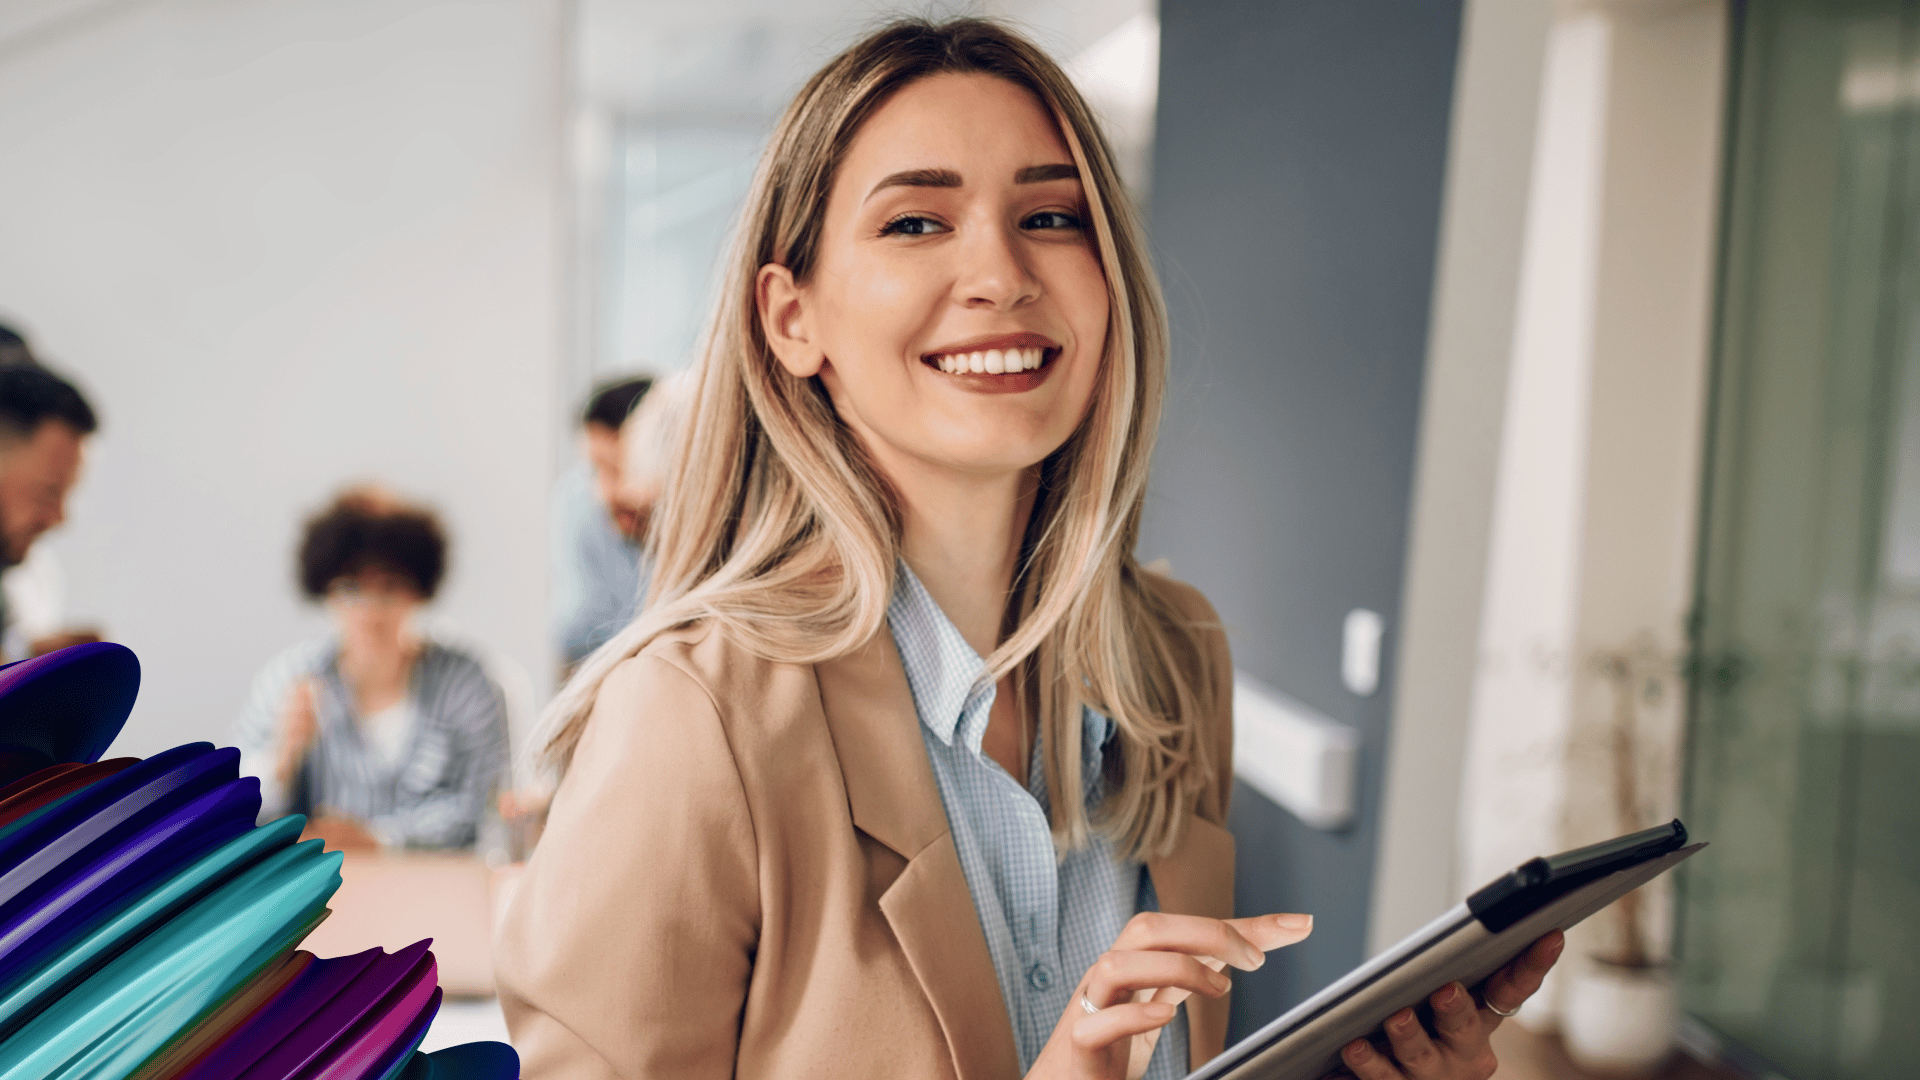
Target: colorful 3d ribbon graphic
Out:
[149,929]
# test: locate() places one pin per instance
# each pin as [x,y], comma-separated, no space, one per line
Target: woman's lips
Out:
[999,363]
[1030,369]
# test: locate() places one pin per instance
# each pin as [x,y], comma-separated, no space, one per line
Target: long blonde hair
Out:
[778,528]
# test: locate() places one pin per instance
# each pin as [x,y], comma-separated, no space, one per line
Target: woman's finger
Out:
[1190,934]
[1456,1019]
[1367,1063]
[1415,1052]
[1269,932]
[1241,943]
[1101,1030]
[1512,985]
[1174,995]
[1116,975]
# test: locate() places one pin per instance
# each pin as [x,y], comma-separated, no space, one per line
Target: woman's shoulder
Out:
[1213,659]
[705,668]
[449,656]
[712,656]
[1184,601]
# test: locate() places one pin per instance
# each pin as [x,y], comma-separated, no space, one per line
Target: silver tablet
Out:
[1466,945]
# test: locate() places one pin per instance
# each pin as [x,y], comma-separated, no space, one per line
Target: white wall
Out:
[1593,523]
[1561,440]
[286,244]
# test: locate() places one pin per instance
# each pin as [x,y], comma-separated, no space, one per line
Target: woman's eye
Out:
[1052,219]
[910,225]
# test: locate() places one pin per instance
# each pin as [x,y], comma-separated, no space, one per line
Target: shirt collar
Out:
[943,671]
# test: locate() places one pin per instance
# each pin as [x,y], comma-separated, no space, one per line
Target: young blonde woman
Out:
[909,769]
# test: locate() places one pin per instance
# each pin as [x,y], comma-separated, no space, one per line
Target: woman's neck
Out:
[961,536]
[377,670]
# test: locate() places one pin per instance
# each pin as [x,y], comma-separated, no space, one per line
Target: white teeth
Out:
[993,361]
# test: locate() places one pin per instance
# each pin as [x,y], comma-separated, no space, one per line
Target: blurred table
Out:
[393,899]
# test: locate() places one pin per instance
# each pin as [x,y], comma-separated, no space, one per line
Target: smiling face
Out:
[957,311]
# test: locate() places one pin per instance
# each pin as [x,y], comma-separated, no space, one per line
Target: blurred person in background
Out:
[599,569]
[382,734]
[44,425]
[642,465]
[646,453]
[14,350]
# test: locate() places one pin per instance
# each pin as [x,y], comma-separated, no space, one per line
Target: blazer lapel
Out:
[891,792]
[1196,878]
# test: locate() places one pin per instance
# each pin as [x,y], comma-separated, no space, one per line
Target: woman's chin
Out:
[990,457]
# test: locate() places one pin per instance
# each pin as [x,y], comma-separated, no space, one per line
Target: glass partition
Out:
[1800,926]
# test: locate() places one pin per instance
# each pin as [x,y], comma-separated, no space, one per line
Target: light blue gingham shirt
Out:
[1047,918]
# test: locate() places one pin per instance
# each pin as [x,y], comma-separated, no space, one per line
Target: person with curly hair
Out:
[379,731]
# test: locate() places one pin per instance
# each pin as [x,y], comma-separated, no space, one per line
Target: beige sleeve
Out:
[627,948]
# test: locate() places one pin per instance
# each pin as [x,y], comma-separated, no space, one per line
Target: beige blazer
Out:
[747,872]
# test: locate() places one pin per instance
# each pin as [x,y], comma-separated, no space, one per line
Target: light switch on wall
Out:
[1360,651]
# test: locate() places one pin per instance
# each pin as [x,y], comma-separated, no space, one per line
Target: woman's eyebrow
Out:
[918,178]
[947,178]
[1039,174]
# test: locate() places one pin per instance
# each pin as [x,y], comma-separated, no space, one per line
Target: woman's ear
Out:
[783,318]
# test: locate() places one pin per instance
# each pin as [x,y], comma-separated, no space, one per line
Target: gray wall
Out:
[1297,176]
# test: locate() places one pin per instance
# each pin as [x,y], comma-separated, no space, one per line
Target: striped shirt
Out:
[1047,916]
[433,794]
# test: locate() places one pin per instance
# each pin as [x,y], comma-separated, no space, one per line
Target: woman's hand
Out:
[339,831]
[1458,1049]
[1157,962]
[299,727]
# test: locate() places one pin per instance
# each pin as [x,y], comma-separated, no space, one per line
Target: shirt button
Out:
[1039,976]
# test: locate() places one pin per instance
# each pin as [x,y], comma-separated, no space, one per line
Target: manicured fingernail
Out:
[1221,982]
[1293,921]
[1359,1051]
[1252,960]
[1449,996]
[1159,1010]
[1558,943]
[1401,1019]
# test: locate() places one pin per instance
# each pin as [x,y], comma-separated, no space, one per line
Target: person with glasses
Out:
[381,732]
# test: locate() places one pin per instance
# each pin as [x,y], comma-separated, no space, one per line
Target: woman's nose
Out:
[995,275]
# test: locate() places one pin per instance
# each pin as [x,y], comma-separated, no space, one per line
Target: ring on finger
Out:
[1498,1011]
[1089,1006]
